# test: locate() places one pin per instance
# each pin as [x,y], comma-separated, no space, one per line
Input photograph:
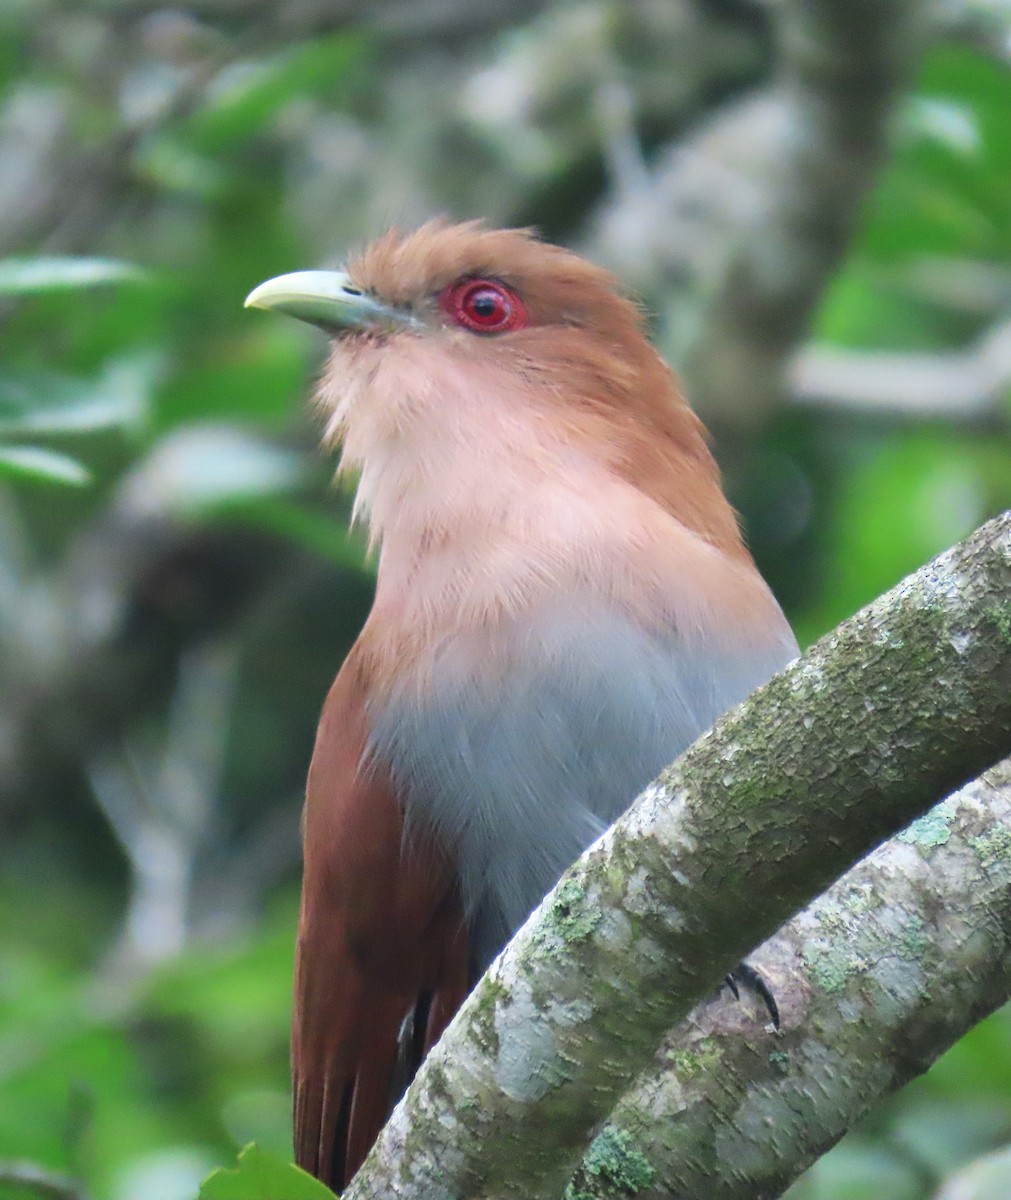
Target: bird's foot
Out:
[744,975]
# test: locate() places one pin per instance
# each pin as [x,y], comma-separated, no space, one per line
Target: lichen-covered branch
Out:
[876,723]
[875,979]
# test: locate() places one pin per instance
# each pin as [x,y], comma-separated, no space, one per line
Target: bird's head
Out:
[462,349]
[456,282]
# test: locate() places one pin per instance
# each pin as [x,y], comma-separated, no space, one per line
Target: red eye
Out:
[484,306]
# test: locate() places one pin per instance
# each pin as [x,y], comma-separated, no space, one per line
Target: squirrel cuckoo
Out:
[563,604]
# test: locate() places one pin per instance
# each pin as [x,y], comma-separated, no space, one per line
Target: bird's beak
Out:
[328,299]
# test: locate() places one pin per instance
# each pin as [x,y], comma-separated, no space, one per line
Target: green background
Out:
[177,583]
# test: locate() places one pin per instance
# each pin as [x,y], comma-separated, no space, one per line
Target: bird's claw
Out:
[745,975]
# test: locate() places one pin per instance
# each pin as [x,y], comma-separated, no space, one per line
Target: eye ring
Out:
[484,306]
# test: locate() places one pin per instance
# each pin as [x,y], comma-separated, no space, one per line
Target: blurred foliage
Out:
[258,1176]
[177,583]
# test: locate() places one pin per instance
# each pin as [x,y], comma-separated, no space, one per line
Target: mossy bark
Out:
[875,724]
[874,980]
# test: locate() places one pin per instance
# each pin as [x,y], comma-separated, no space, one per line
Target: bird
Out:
[564,602]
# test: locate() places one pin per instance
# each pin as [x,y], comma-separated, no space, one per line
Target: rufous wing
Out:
[381,957]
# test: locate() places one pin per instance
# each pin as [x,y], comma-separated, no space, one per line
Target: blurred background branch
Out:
[35,1180]
[737,232]
[812,201]
[969,385]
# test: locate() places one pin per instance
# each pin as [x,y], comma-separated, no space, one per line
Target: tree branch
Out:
[455,19]
[880,719]
[134,588]
[742,225]
[967,384]
[42,1182]
[875,980]
[161,804]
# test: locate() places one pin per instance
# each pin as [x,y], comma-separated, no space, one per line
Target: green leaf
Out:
[170,164]
[34,276]
[198,468]
[41,401]
[260,1176]
[248,95]
[32,462]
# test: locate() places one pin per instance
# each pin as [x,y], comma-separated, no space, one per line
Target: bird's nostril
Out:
[351,291]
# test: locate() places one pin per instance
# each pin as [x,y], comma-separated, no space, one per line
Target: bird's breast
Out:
[541,646]
[530,736]
[504,547]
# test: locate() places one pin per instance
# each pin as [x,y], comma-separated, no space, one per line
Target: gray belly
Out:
[517,769]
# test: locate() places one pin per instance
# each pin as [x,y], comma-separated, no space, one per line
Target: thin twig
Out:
[53,1185]
[966,384]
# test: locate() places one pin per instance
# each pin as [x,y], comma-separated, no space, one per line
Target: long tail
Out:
[355,1048]
[380,930]
[343,1072]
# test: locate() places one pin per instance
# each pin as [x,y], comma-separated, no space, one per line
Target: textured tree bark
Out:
[876,723]
[875,980]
